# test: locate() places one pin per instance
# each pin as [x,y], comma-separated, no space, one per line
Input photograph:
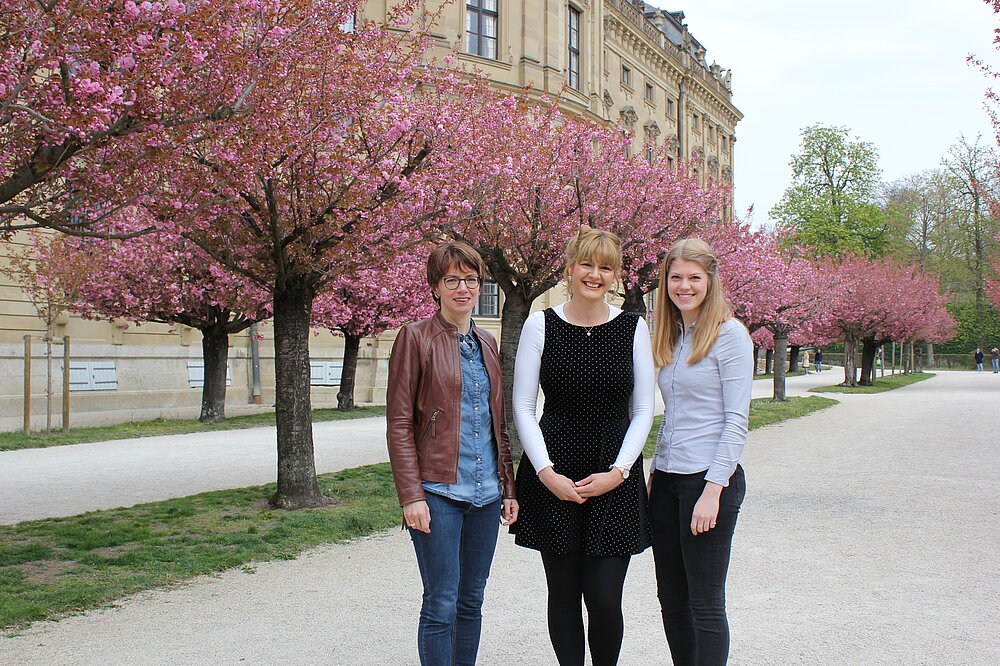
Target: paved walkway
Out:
[869,536]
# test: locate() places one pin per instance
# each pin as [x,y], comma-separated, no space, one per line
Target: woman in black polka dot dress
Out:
[580,482]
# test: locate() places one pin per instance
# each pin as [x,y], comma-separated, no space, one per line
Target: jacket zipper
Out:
[431,429]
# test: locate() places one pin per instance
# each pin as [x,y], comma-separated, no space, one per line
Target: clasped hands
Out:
[569,490]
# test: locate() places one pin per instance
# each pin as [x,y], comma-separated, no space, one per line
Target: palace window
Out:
[649,92]
[670,107]
[489,300]
[574,48]
[626,76]
[481,20]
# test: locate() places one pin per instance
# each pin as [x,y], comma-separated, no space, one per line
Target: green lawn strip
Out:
[881,384]
[16,440]
[763,411]
[56,566]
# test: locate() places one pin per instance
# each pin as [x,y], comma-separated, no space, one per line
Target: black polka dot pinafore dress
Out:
[587,381]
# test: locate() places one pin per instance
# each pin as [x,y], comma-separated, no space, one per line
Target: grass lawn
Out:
[881,384]
[16,440]
[52,567]
[58,566]
[763,411]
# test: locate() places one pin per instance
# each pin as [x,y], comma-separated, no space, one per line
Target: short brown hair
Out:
[453,253]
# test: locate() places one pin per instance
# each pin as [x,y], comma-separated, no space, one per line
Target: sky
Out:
[893,72]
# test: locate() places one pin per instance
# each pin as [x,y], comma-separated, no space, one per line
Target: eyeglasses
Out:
[451,282]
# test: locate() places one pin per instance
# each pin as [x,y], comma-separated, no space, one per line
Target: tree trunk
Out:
[297,486]
[850,361]
[868,349]
[215,354]
[635,301]
[780,358]
[793,357]
[756,364]
[516,309]
[768,358]
[345,396]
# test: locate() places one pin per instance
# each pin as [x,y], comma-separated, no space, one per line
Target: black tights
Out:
[599,581]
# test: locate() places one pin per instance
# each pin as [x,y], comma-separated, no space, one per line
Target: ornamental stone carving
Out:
[628,117]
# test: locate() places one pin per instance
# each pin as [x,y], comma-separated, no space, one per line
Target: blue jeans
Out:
[691,570]
[996,364]
[454,561]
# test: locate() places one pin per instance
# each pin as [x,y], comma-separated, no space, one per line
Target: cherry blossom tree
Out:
[521,173]
[158,278]
[535,176]
[876,301]
[76,75]
[769,289]
[331,174]
[370,302]
[50,298]
[650,201]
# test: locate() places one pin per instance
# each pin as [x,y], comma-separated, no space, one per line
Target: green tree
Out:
[921,212]
[832,203]
[971,169]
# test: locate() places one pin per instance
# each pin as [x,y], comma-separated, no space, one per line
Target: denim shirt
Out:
[478,481]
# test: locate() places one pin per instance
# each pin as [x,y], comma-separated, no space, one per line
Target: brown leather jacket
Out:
[424,405]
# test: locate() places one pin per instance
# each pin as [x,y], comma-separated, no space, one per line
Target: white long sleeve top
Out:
[525,399]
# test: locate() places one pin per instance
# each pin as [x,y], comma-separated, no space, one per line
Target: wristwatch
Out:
[624,470]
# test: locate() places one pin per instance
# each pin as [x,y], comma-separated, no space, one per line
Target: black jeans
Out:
[599,582]
[691,570]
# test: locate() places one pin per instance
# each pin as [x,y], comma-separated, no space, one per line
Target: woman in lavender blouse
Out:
[696,484]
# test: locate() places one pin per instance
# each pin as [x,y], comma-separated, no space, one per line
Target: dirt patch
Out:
[45,571]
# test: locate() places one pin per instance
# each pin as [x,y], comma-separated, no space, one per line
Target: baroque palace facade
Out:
[617,61]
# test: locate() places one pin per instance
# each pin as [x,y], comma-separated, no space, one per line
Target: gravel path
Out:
[869,536]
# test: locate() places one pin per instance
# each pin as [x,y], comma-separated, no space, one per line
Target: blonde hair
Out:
[714,309]
[598,246]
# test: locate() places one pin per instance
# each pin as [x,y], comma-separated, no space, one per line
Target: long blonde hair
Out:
[597,245]
[714,309]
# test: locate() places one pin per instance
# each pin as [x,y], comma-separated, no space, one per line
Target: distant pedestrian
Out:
[450,456]
[805,362]
[819,360]
[995,357]
[979,359]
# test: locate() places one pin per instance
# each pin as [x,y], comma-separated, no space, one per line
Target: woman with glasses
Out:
[450,455]
[583,501]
